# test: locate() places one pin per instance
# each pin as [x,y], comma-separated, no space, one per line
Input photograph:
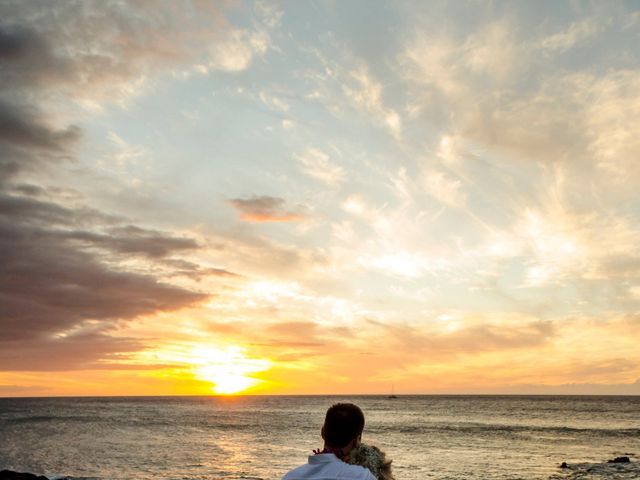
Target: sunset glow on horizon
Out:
[319,197]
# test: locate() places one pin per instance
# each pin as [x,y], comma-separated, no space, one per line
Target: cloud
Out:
[22,390]
[623,265]
[236,52]
[458,336]
[73,352]
[318,165]
[27,57]
[610,110]
[127,154]
[366,94]
[444,189]
[27,142]
[399,263]
[97,51]
[505,93]
[309,333]
[261,209]
[48,284]
[576,33]
[21,129]
[494,52]
[133,240]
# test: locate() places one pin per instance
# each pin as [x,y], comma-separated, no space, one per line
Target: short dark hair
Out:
[343,423]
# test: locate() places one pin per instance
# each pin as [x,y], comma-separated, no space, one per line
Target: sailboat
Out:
[393,395]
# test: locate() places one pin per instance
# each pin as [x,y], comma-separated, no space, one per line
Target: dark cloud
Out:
[184,267]
[27,59]
[134,240]
[25,129]
[14,43]
[219,272]
[60,268]
[33,212]
[28,143]
[47,285]
[73,352]
[265,209]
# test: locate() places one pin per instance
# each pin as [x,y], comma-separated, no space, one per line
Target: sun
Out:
[228,369]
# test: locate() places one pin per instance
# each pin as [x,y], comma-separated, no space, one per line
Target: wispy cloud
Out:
[576,33]
[366,93]
[318,165]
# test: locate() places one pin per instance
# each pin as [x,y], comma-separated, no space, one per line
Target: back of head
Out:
[343,423]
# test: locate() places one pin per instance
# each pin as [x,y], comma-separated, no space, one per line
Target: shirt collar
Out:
[323,458]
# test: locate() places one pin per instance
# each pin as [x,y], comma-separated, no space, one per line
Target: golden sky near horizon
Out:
[319,197]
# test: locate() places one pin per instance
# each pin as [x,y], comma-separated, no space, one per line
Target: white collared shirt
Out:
[327,466]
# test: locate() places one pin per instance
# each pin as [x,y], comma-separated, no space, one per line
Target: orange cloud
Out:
[265,209]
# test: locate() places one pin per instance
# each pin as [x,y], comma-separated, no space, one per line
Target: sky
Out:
[319,197]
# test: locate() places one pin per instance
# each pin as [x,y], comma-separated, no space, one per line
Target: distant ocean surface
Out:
[428,437]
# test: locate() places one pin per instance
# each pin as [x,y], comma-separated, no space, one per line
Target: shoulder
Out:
[342,471]
[356,472]
[296,473]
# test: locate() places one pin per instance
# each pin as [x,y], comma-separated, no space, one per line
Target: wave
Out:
[484,428]
[52,418]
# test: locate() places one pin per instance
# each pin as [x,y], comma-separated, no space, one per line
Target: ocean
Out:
[261,437]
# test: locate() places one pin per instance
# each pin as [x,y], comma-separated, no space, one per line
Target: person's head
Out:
[343,427]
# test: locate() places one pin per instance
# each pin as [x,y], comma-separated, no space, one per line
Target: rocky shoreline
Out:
[11,475]
[618,468]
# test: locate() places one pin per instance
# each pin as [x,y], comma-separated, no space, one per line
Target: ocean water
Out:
[428,437]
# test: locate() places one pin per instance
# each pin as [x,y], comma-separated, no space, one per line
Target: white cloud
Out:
[365,93]
[576,33]
[449,149]
[127,154]
[401,263]
[494,51]
[431,61]
[237,50]
[444,189]
[274,102]
[318,165]
[354,204]
[611,111]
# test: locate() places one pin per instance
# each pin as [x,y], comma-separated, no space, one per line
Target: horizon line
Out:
[384,395]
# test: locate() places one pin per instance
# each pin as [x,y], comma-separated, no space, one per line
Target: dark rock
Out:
[564,465]
[9,475]
[620,460]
